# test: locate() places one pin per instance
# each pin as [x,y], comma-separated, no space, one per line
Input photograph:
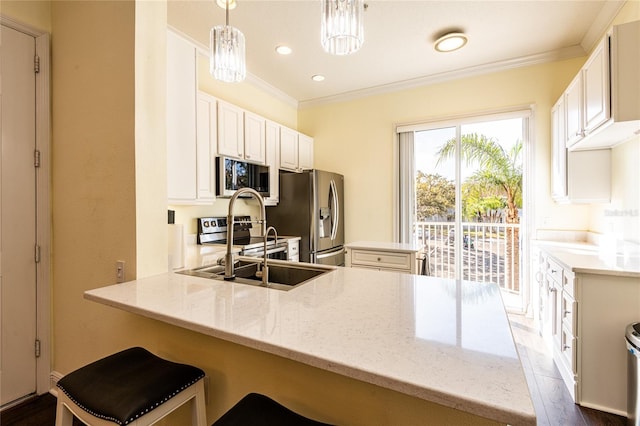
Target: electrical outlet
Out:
[120,271]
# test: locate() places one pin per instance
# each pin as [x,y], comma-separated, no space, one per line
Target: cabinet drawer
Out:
[554,270]
[378,259]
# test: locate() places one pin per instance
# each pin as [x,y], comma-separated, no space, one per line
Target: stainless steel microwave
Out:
[233,174]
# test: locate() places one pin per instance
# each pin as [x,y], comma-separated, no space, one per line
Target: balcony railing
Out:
[490,251]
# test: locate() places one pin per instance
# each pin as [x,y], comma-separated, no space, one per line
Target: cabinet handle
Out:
[565,313]
[379,259]
[565,347]
[553,271]
[552,290]
[247,156]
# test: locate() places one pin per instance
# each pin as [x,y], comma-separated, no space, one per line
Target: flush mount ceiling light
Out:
[450,42]
[227,52]
[317,77]
[342,30]
[223,4]
[283,50]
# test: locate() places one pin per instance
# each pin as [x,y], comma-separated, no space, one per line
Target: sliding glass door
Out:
[468,198]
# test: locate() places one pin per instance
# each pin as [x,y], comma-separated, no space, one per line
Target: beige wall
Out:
[357,139]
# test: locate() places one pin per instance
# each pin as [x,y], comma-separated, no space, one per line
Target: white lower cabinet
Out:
[293,250]
[382,256]
[582,318]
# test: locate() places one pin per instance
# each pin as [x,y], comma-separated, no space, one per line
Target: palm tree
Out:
[499,173]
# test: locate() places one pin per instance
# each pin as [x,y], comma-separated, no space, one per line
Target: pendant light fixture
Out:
[342,31]
[227,52]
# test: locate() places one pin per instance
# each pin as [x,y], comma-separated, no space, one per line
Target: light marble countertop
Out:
[384,246]
[444,341]
[592,259]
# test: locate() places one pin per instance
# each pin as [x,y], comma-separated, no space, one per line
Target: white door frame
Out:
[43,201]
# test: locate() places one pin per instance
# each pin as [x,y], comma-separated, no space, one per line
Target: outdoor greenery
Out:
[493,191]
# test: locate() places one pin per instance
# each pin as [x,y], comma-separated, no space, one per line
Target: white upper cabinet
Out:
[595,74]
[576,176]
[230,130]
[206,146]
[254,138]
[288,149]
[296,150]
[272,136]
[602,101]
[181,120]
[305,152]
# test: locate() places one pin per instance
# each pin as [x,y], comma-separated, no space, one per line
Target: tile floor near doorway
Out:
[551,399]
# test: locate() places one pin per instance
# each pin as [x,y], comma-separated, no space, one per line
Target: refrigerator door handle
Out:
[335,210]
[330,254]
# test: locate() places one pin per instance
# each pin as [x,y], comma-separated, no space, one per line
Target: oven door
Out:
[278,252]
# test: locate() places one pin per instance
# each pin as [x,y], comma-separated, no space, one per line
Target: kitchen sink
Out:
[283,275]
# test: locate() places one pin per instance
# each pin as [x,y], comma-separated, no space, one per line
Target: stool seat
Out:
[127,385]
[259,410]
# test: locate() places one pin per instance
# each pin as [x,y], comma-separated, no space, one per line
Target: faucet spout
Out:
[229,273]
[265,268]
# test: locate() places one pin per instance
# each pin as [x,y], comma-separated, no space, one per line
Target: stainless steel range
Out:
[213,230]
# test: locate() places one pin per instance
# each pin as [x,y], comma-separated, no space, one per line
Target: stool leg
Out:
[198,406]
[64,417]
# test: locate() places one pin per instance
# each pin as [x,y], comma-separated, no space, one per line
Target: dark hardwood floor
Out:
[37,411]
[551,399]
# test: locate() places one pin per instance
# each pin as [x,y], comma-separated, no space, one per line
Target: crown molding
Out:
[601,25]
[556,55]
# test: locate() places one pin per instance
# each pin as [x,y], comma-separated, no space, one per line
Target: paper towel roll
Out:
[176,246]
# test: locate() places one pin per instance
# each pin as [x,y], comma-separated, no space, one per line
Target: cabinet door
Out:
[254,138]
[206,144]
[573,105]
[230,130]
[181,120]
[305,152]
[596,87]
[558,152]
[288,149]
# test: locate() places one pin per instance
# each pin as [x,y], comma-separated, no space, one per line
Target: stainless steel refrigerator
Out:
[312,207]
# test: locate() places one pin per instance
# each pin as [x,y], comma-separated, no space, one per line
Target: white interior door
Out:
[17,215]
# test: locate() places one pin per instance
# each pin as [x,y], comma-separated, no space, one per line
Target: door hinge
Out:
[36,64]
[36,158]
[37,348]
[37,254]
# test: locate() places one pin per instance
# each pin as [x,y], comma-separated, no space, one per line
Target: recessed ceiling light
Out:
[317,77]
[284,50]
[223,4]
[450,42]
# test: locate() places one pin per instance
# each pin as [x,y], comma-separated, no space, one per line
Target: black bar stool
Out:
[131,387]
[259,410]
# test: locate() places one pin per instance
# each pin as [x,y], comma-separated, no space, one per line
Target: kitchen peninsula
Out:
[445,345]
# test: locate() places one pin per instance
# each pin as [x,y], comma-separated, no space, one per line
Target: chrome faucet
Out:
[265,268]
[229,273]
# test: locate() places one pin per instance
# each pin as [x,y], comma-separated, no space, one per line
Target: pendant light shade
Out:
[342,30]
[227,55]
